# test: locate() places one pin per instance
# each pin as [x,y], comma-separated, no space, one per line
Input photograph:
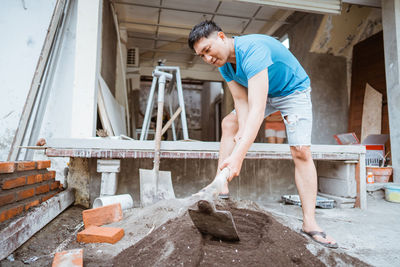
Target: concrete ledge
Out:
[21,229]
[119,149]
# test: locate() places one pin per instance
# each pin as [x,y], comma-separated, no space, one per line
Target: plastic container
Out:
[370,178]
[125,200]
[392,192]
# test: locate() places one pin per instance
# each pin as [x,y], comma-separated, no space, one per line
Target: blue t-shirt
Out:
[256,52]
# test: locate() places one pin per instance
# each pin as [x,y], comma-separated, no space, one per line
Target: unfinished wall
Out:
[23,185]
[261,180]
[328,78]
[24,27]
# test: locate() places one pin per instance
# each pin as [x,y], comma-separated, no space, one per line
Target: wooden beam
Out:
[19,231]
[278,18]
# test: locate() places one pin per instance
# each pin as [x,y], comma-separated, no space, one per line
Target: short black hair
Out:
[203,29]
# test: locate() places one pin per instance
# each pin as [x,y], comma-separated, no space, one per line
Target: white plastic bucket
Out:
[125,200]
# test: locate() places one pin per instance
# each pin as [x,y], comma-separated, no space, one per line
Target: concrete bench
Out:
[341,169]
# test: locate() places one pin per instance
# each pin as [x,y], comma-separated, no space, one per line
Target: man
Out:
[263,77]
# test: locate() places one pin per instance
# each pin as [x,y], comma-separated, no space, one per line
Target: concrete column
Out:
[87,67]
[391,38]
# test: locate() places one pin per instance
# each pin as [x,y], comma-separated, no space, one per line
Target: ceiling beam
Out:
[188,74]
[280,17]
[154,38]
[215,13]
[127,23]
[314,6]
[371,3]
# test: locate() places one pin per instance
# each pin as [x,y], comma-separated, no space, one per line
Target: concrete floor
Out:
[372,235]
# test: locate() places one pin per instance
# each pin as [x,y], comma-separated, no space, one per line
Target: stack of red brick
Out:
[25,184]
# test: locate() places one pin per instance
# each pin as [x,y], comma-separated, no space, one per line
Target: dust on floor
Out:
[163,234]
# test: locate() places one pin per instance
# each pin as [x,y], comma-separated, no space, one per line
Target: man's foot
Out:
[321,238]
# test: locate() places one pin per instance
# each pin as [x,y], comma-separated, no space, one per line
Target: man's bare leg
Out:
[229,127]
[306,182]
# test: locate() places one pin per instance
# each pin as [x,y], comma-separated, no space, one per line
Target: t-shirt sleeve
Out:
[256,58]
[223,70]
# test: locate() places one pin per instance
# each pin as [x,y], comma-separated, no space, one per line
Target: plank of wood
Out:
[19,231]
[105,121]
[372,112]
[115,112]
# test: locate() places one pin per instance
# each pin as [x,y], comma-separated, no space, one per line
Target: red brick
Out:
[32,204]
[7,199]
[26,165]
[43,164]
[32,179]
[25,193]
[8,214]
[7,167]
[73,258]
[42,189]
[103,215]
[49,175]
[12,183]
[95,234]
[55,185]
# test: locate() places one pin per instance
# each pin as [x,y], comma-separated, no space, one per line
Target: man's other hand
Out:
[234,164]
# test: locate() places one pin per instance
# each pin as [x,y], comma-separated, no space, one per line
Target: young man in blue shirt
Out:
[263,77]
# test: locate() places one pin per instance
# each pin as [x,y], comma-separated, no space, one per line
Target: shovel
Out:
[209,220]
[156,185]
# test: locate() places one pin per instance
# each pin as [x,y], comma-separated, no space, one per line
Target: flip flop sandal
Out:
[223,196]
[311,234]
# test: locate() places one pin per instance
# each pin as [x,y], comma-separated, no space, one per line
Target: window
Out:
[285,41]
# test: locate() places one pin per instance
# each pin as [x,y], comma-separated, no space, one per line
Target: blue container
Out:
[392,192]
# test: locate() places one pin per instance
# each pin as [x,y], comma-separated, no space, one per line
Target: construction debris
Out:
[95,234]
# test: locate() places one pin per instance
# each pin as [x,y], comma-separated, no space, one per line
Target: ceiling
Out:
[159,28]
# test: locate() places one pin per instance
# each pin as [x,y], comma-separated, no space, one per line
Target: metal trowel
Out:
[209,220]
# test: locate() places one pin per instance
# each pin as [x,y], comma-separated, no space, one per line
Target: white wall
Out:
[23,30]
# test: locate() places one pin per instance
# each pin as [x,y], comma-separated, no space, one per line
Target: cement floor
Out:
[372,235]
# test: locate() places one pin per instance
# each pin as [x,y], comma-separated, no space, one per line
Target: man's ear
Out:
[221,35]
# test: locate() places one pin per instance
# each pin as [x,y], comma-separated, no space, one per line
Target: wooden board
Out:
[372,112]
[115,112]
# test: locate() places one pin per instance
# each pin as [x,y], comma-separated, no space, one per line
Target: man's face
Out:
[213,50]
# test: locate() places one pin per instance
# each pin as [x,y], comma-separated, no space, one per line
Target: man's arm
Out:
[257,99]
[240,99]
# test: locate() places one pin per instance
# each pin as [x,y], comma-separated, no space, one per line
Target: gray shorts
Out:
[296,110]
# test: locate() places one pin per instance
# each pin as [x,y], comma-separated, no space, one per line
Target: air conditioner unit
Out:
[133,57]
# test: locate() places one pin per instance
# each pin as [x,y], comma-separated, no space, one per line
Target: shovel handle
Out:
[216,186]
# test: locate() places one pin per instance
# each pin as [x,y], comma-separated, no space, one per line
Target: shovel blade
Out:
[218,223]
[148,190]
